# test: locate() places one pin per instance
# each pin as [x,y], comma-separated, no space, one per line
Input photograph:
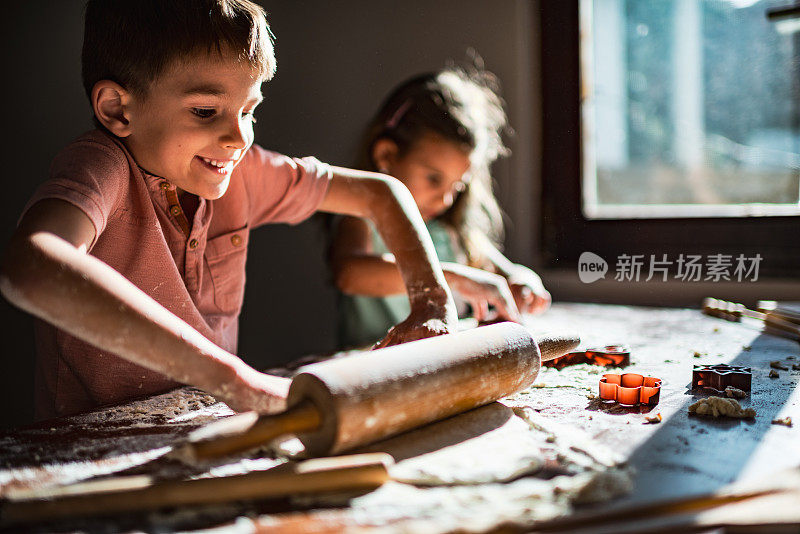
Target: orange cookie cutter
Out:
[630,389]
[610,355]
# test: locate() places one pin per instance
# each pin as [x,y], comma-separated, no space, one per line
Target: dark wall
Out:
[336,61]
[43,109]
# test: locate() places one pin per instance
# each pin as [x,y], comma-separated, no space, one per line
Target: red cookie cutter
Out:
[630,389]
[720,376]
[610,355]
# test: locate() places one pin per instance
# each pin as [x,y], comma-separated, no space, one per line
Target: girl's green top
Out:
[365,320]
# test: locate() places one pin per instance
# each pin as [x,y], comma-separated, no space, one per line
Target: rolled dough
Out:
[512,461]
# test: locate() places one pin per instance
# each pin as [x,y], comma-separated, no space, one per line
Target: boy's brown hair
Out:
[131,42]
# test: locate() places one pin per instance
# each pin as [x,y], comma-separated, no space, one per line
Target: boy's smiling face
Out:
[195,122]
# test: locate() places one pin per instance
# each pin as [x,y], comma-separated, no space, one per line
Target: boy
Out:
[135,248]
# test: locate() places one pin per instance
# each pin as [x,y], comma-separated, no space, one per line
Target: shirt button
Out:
[193,244]
[175,211]
[164,185]
[236,239]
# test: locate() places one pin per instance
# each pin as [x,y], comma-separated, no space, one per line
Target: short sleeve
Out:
[282,189]
[89,174]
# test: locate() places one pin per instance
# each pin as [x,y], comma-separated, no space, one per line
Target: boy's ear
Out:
[384,154]
[110,102]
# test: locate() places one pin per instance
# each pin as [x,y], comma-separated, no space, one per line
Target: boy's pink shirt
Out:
[199,277]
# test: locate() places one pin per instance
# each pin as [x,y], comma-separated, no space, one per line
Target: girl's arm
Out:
[389,205]
[526,286]
[358,270]
[46,271]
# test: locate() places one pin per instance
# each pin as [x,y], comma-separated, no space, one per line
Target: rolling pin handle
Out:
[304,417]
[552,346]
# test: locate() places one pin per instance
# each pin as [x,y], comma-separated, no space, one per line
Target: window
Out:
[670,127]
[691,109]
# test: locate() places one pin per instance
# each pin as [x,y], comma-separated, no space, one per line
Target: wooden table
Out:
[683,455]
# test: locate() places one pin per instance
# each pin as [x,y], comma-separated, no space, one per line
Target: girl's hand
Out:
[528,290]
[480,289]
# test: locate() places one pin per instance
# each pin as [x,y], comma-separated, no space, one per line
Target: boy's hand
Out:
[480,289]
[412,329]
[256,391]
[429,317]
[528,290]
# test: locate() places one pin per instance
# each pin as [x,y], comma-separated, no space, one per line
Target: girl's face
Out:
[434,170]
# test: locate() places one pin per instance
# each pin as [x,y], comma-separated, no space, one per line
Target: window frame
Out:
[566,232]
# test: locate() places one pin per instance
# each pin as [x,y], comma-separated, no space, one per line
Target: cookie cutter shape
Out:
[630,389]
[610,355]
[720,376]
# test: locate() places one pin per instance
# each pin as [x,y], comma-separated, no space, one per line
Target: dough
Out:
[475,470]
[600,486]
[721,407]
[785,421]
[735,393]
[489,444]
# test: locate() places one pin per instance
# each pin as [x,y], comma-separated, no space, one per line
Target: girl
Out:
[438,134]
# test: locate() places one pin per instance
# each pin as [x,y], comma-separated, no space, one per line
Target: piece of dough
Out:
[466,474]
[489,444]
[721,407]
[735,393]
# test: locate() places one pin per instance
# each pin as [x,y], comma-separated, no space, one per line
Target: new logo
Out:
[591,267]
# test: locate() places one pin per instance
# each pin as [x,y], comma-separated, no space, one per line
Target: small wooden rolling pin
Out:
[732,311]
[340,404]
[777,309]
[358,472]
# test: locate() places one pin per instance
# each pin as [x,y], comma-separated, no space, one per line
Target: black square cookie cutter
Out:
[720,376]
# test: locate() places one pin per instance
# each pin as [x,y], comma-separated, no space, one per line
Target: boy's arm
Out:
[389,205]
[359,271]
[46,271]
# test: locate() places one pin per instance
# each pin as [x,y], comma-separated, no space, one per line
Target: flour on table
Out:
[110,440]
[182,405]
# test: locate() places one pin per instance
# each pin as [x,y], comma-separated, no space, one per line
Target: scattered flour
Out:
[113,440]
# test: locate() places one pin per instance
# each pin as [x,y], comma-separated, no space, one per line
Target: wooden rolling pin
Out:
[128,494]
[340,404]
